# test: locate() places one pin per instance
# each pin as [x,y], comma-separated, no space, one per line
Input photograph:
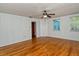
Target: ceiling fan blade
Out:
[48,16]
[52,14]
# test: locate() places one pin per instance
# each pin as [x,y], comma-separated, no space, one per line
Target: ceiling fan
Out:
[46,15]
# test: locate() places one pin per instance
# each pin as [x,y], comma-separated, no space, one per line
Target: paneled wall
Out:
[65,31]
[14,29]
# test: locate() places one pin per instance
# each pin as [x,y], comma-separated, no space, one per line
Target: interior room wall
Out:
[41,27]
[64,28]
[14,29]
[44,27]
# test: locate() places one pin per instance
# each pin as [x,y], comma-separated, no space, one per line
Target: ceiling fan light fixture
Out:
[45,16]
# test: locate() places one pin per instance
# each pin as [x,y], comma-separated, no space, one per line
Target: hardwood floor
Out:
[44,46]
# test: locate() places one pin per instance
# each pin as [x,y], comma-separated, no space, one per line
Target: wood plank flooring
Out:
[43,46]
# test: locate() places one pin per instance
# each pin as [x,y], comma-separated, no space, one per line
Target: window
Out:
[74,23]
[56,24]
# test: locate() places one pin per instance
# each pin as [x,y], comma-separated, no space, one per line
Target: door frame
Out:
[34,28]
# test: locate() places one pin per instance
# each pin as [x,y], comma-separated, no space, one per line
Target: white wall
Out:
[14,29]
[65,29]
[41,27]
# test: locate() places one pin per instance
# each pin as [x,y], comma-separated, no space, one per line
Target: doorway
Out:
[33,29]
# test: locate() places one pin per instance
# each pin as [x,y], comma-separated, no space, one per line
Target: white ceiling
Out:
[35,9]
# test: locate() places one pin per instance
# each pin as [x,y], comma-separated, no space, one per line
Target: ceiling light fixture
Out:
[45,16]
